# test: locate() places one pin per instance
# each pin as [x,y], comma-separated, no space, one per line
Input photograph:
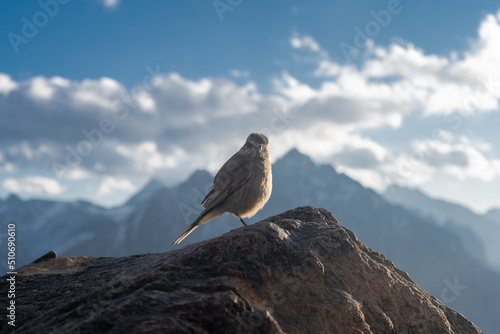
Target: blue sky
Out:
[96,97]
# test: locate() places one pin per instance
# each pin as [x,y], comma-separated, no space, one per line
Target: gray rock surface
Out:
[297,272]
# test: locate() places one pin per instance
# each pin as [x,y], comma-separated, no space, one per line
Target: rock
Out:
[297,272]
[46,256]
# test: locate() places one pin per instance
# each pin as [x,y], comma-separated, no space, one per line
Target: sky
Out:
[99,96]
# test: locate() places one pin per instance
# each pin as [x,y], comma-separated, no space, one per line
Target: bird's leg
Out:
[241,220]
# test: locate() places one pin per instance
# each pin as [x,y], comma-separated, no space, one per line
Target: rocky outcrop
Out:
[297,272]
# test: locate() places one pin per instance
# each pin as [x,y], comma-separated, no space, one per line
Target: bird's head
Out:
[257,141]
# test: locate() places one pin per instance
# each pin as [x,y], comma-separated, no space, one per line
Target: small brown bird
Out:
[241,187]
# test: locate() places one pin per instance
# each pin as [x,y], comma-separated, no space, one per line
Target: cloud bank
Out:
[55,131]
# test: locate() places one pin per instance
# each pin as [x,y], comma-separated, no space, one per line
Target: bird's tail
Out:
[191,227]
[186,233]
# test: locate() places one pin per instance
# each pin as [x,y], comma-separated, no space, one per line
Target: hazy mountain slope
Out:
[155,224]
[493,215]
[453,214]
[77,228]
[146,193]
[42,226]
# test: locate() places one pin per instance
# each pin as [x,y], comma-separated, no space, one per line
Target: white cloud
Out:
[327,69]
[59,81]
[77,174]
[110,3]
[5,166]
[317,55]
[457,156]
[390,84]
[434,84]
[460,156]
[146,158]
[32,185]
[28,153]
[41,88]
[304,42]
[293,89]
[240,73]
[146,102]
[482,57]
[111,184]
[350,101]
[7,84]
[103,93]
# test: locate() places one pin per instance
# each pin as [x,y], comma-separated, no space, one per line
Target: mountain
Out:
[493,215]
[434,254]
[297,272]
[150,189]
[77,228]
[43,225]
[469,225]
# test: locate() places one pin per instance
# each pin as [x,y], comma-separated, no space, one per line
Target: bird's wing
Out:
[232,175]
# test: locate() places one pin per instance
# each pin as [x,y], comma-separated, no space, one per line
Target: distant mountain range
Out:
[469,225]
[439,247]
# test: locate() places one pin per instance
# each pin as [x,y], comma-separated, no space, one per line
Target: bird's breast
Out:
[257,195]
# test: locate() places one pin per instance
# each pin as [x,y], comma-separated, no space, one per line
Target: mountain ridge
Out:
[455,215]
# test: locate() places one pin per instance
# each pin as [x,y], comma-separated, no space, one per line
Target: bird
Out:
[241,187]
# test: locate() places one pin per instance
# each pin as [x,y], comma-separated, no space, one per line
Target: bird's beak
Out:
[259,146]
